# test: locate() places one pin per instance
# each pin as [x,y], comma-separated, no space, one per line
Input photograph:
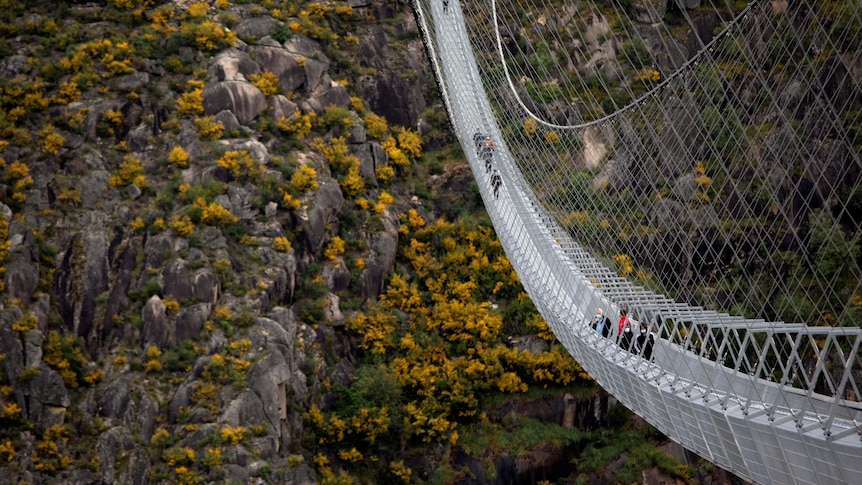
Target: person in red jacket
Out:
[626,330]
[624,317]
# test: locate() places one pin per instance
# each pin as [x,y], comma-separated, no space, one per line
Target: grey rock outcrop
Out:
[232,65]
[176,278]
[279,61]
[155,323]
[83,272]
[320,221]
[257,27]
[243,99]
[125,404]
[328,93]
[189,322]
[384,247]
[282,108]
[205,286]
[116,446]
[315,62]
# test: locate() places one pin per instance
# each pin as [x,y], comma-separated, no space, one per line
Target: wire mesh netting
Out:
[696,163]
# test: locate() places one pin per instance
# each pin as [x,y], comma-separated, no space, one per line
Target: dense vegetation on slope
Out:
[190,287]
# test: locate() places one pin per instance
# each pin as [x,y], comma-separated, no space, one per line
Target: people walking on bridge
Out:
[625,330]
[644,342]
[478,139]
[496,182]
[487,153]
[601,323]
[624,317]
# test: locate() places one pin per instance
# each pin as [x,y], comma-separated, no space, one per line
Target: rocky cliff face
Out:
[172,197]
[100,283]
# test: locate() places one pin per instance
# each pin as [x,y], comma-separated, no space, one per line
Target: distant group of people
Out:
[485,150]
[641,344]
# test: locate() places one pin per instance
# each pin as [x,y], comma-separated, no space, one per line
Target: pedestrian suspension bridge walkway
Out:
[696,163]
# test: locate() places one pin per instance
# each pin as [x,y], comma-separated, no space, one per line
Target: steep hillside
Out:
[201,204]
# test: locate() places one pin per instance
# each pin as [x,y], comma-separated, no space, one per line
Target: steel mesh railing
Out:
[704,174]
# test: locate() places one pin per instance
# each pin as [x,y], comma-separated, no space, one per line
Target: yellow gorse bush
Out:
[303,179]
[266,82]
[215,214]
[130,172]
[179,157]
[191,102]
[298,125]
[376,126]
[446,349]
[241,165]
[334,249]
[281,244]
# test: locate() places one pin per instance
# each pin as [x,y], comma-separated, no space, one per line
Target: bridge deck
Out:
[764,431]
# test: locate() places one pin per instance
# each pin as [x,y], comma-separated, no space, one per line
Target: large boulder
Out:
[243,99]
[280,62]
[383,248]
[155,329]
[189,322]
[121,459]
[95,189]
[123,403]
[176,278]
[232,65]
[205,286]
[257,28]
[282,108]
[320,220]
[370,155]
[82,272]
[315,63]
[329,93]
[239,201]
[47,398]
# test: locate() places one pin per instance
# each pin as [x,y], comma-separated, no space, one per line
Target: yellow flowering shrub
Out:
[265,81]
[7,451]
[197,10]
[178,456]
[179,157]
[395,154]
[299,125]
[10,411]
[303,179]
[191,102]
[334,249]
[27,322]
[281,244]
[207,35]
[241,165]
[130,172]
[232,435]
[208,128]
[375,327]
[181,224]
[410,143]
[376,126]
[215,214]
[68,92]
[384,173]
[624,264]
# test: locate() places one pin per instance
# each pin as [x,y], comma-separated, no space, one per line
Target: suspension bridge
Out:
[695,163]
